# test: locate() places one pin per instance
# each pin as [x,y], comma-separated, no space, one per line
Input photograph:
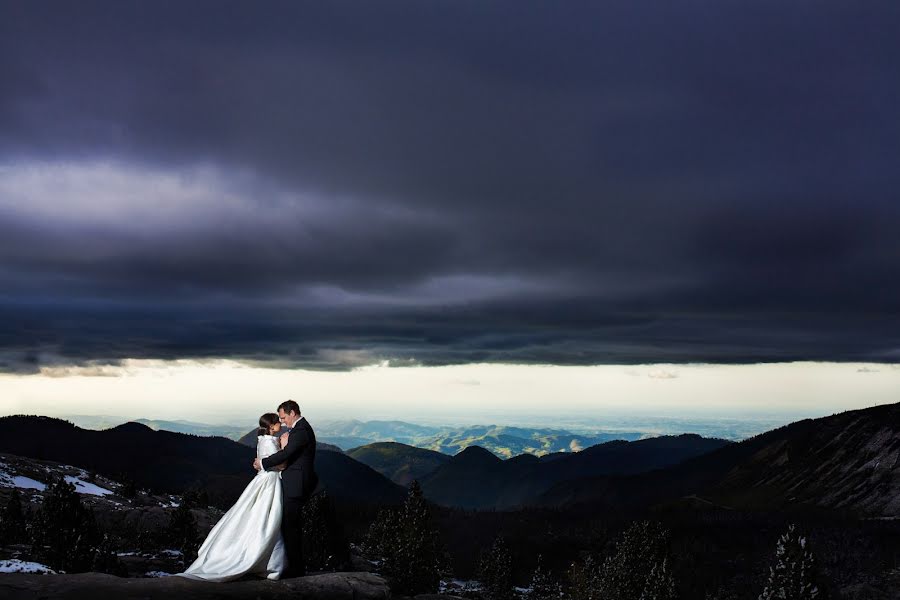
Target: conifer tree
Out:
[129,488]
[147,541]
[584,579]
[325,546]
[495,572]
[626,572]
[660,585]
[381,536]
[543,585]
[793,575]
[12,520]
[413,557]
[315,535]
[182,532]
[64,533]
[106,560]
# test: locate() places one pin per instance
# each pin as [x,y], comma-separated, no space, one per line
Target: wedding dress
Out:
[247,539]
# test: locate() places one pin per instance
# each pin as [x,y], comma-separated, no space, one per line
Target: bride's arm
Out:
[282,442]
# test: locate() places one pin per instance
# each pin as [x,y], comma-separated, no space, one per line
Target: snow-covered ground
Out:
[156,574]
[20,566]
[448,586]
[23,483]
[28,474]
[84,487]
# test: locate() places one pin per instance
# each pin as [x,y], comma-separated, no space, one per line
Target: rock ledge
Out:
[90,586]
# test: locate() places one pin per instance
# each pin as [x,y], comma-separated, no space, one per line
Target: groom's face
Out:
[287,418]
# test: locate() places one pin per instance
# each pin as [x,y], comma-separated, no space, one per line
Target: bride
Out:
[247,539]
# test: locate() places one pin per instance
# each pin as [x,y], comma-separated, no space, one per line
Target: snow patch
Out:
[83,487]
[20,566]
[449,586]
[18,481]
[157,574]
[27,483]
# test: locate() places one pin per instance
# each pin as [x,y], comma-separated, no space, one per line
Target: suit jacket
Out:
[299,479]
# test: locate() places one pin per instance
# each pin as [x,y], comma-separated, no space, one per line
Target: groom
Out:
[298,480]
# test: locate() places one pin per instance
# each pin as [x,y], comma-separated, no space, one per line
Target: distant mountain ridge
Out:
[847,461]
[476,478]
[101,422]
[504,441]
[343,435]
[175,462]
[249,439]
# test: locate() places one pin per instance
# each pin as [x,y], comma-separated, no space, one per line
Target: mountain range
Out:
[101,422]
[845,462]
[249,439]
[475,478]
[175,462]
[505,442]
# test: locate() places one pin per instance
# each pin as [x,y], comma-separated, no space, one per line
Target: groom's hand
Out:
[256,464]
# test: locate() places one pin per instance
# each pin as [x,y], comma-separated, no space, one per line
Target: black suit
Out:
[298,481]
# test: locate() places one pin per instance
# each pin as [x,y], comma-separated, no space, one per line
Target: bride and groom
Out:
[262,533]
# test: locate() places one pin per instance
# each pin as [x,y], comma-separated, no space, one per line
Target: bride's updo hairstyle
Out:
[266,421]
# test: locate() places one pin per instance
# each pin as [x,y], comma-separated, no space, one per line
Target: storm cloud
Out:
[326,185]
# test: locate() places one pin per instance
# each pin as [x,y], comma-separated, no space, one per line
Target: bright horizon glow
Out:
[229,392]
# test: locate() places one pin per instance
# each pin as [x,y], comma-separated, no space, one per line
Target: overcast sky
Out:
[328,185]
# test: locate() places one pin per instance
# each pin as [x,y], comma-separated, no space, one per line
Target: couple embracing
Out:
[262,533]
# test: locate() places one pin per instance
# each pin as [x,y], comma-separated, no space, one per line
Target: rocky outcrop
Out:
[90,586]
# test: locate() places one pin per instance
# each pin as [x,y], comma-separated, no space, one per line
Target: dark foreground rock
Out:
[91,586]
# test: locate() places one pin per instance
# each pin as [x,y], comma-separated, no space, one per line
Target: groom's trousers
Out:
[292,532]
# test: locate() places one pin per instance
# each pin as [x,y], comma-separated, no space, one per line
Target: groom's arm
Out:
[297,441]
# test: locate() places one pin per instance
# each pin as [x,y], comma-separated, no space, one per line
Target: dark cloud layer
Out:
[330,184]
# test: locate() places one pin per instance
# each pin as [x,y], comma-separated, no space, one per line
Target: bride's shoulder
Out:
[259,437]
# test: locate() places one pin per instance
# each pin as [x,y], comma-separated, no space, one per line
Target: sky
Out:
[597,397]
[316,188]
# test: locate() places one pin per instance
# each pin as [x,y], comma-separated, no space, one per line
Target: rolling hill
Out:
[398,462]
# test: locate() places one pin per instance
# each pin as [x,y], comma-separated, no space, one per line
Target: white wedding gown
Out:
[247,539]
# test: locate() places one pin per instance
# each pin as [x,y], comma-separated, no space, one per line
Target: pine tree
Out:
[584,580]
[626,572]
[64,533]
[12,520]
[495,572]
[543,586]
[182,532]
[325,546]
[106,560]
[129,488]
[147,541]
[413,557]
[315,535]
[660,585]
[793,576]
[381,537]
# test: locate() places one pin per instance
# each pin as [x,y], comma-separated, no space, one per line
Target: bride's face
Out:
[275,428]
